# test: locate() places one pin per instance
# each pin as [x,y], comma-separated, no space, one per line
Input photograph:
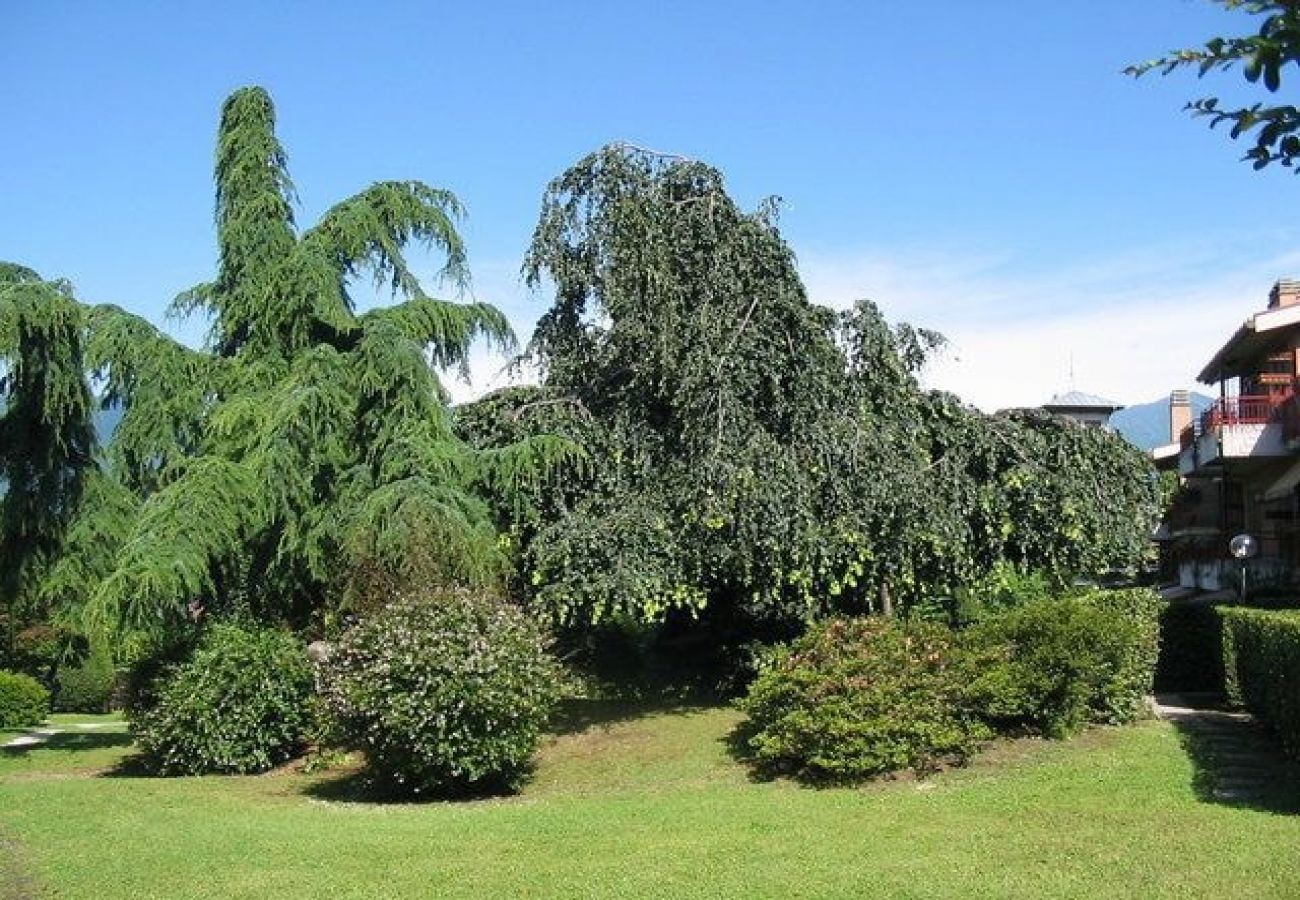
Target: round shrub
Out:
[444,693]
[238,704]
[24,701]
[855,698]
[1054,666]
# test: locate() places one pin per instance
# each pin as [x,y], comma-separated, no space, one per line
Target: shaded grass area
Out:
[647,802]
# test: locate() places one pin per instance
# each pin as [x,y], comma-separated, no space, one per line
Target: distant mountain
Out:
[1146,425]
[106,422]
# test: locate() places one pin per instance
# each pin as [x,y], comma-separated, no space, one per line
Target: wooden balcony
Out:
[1257,409]
[1234,428]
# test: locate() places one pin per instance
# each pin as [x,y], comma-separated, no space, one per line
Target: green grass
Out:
[651,805]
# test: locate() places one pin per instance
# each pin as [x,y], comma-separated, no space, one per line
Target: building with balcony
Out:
[1239,462]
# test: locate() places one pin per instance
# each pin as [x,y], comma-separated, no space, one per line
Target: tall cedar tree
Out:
[306,453]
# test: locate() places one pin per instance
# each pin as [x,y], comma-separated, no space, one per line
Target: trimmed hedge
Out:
[1262,658]
[24,701]
[1191,648]
[1054,666]
[1135,614]
[239,704]
[855,698]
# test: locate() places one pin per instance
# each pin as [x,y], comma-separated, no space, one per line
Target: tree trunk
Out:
[886,602]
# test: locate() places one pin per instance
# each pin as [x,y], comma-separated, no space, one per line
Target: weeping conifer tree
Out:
[306,452]
[47,442]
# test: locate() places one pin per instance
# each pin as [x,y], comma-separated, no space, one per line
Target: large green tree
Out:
[306,452]
[756,460]
[1263,57]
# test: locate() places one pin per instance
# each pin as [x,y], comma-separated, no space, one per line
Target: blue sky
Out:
[982,169]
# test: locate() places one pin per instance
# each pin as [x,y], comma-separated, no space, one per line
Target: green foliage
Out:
[755,461]
[1054,666]
[1002,587]
[37,651]
[1262,56]
[86,685]
[444,692]
[238,704]
[304,453]
[47,442]
[1191,648]
[24,701]
[1135,616]
[1263,661]
[855,698]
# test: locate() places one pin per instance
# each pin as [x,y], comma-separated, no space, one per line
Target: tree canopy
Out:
[756,460]
[1263,57]
[308,446]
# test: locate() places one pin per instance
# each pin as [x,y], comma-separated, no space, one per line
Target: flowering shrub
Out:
[855,698]
[445,693]
[238,704]
[23,700]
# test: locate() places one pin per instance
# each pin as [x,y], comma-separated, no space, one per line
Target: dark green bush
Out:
[1054,666]
[445,693]
[1191,648]
[1263,661]
[24,701]
[238,704]
[855,698]
[86,686]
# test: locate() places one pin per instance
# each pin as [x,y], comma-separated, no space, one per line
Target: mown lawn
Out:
[651,805]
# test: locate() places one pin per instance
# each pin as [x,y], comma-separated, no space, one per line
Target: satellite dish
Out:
[1243,546]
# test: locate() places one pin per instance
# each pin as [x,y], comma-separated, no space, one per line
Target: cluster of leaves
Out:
[238,704]
[856,698]
[756,461]
[1053,666]
[1262,657]
[444,692]
[1263,56]
[24,701]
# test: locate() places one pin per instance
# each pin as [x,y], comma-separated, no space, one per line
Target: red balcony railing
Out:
[1247,409]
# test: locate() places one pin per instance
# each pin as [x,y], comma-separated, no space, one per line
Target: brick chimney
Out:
[1180,414]
[1285,293]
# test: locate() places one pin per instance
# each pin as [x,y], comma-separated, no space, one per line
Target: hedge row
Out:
[1261,650]
[1191,648]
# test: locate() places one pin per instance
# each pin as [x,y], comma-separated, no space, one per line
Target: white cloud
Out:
[1132,327]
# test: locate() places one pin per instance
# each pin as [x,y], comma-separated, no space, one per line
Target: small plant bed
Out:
[644,801]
